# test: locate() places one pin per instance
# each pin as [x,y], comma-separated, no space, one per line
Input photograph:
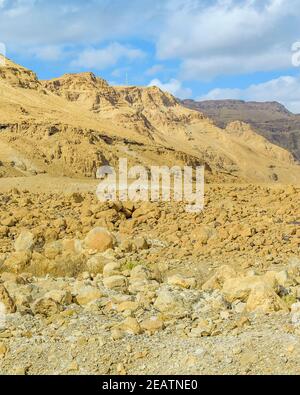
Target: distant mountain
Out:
[270,119]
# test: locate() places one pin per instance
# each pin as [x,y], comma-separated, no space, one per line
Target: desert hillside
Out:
[270,119]
[141,287]
[71,125]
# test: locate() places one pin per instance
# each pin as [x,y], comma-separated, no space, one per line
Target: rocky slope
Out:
[271,119]
[92,288]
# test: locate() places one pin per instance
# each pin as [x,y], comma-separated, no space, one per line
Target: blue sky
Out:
[202,49]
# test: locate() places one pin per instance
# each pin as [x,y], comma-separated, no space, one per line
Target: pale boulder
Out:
[25,241]
[115,282]
[263,299]
[88,294]
[217,280]
[46,307]
[6,300]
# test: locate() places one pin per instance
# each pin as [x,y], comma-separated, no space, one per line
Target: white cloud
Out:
[174,87]
[157,68]
[206,38]
[285,90]
[230,36]
[106,57]
[48,52]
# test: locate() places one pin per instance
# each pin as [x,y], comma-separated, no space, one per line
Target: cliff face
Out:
[73,124]
[271,119]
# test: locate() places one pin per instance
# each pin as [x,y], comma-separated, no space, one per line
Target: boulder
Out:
[130,326]
[152,325]
[115,282]
[99,239]
[111,269]
[25,241]
[88,294]
[263,299]
[181,281]
[46,307]
[217,280]
[171,304]
[6,300]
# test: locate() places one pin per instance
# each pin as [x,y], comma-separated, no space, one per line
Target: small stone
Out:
[87,295]
[130,326]
[3,350]
[25,242]
[46,307]
[60,296]
[152,325]
[117,334]
[115,282]
[182,281]
[6,300]
[111,269]
[127,306]
[140,243]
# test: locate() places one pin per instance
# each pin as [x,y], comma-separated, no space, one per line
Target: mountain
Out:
[270,119]
[71,125]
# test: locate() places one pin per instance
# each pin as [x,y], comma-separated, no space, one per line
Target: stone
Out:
[6,300]
[99,239]
[3,350]
[62,297]
[203,329]
[217,280]
[152,325]
[53,249]
[170,304]
[127,306]
[25,241]
[239,288]
[181,281]
[87,295]
[140,243]
[130,326]
[96,264]
[111,269]
[17,261]
[295,314]
[115,282]
[46,307]
[139,273]
[263,299]
[8,221]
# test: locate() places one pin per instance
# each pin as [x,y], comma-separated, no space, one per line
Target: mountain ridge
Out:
[269,119]
[75,123]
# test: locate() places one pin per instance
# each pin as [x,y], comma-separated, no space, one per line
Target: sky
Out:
[200,49]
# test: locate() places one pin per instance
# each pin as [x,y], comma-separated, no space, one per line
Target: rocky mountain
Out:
[71,125]
[270,119]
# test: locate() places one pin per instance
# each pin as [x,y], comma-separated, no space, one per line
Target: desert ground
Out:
[88,287]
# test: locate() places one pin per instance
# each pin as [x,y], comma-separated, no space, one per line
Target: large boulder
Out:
[25,241]
[46,307]
[99,239]
[172,303]
[263,299]
[217,280]
[88,294]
